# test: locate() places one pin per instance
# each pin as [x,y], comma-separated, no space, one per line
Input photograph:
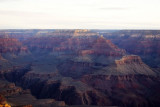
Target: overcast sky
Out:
[78,14]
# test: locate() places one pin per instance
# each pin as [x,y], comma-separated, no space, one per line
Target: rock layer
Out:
[77,67]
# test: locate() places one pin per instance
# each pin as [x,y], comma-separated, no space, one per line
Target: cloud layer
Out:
[97,14]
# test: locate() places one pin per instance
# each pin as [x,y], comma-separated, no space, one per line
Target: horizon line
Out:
[69,29]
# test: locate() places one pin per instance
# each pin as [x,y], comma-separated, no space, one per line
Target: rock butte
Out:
[129,59]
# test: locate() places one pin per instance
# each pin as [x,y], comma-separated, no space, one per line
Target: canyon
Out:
[46,68]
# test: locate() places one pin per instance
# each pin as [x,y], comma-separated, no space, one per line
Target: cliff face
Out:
[77,32]
[137,42]
[11,45]
[80,83]
[57,87]
[84,45]
[76,44]
[133,64]
[16,96]
[122,87]
[48,43]
[129,74]
[3,102]
[105,47]
[75,67]
[84,33]
[144,43]
[130,59]
[140,46]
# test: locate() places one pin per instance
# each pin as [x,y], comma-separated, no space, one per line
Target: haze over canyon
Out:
[79,67]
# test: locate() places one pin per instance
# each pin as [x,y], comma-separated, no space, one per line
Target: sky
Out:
[79,14]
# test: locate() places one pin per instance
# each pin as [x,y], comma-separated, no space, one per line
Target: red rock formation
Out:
[77,32]
[123,87]
[130,59]
[44,42]
[8,89]
[23,98]
[84,32]
[76,44]
[132,64]
[138,42]
[104,47]
[79,45]
[144,43]
[2,99]
[87,52]
[11,45]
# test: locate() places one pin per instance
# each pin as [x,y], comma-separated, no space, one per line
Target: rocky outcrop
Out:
[61,89]
[84,32]
[140,42]
[144,43]
[76,32]
[76,44]
[130,59]
[79,45]
[8,89]
[132,64]
[16,96]
[45,86]
[11,45]
[2,99]
[119,88]
[103,46]
[3,102]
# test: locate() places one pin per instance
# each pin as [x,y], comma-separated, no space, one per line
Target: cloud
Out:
[8,0]
[12,12]
[115,8]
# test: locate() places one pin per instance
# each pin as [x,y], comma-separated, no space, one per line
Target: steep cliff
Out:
[11,45]
[127,82]
[145,43]
[102,46]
